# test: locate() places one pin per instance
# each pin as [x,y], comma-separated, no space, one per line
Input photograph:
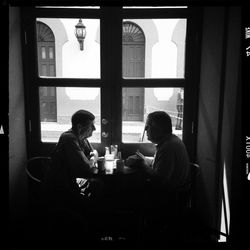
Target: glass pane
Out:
[153,48]
[51,53]
[57,105]
[43,53]
[51,70]
[57,37]
[137,103]
[44,70]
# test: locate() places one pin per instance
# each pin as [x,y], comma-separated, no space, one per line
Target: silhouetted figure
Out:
[69,189]
[168,172]
[179,106]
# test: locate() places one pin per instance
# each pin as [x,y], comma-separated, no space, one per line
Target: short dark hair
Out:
[162,120]
[82,117]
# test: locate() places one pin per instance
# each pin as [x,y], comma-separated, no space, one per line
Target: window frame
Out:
[111,84]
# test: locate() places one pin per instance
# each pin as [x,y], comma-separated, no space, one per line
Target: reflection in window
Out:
[56,109]
[139,102]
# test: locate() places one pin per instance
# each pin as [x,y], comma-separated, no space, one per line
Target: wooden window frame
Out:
[111,84]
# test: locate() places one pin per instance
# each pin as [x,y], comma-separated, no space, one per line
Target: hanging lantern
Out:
[80,33]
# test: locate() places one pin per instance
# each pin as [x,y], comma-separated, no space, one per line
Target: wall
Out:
[17,136]
[216,118]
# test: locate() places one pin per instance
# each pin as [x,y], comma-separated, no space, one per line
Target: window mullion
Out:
[110,72]
[152,82]
[116,72]
[66,82]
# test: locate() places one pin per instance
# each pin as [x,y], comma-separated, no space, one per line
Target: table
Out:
[121,202]
[122,189]
[126,170]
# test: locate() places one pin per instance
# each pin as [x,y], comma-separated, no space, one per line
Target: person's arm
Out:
[93,154]
[146,163]
[165,174]
[78,162]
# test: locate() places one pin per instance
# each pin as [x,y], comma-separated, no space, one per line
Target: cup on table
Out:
[109,163]
[109,166]
[119,165]
[101,165]
[109,157]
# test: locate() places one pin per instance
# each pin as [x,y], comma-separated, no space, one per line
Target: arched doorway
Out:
[133,66]
[46,67]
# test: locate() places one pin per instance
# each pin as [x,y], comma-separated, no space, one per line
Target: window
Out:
[154,48]
[71,62]
[139,102]
[134,61]
[69,99]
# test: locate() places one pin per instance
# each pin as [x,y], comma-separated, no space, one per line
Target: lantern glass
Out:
[79,32]
[83,32]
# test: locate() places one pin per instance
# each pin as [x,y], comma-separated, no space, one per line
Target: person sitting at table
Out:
[168,171]
[68,182]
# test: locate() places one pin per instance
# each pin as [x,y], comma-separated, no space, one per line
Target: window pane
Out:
[51,70]
[153,48]
[43,53]
[56,38]
[51,53]
[57,105]
[139,102]
[44,70]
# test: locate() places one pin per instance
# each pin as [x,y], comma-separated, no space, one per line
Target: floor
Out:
[125,232]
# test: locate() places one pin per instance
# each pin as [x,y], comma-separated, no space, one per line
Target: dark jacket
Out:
[69,160]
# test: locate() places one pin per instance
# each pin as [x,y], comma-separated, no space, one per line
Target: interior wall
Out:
[17,136]
[217,100]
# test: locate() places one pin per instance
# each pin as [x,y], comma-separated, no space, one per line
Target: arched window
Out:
[133,66]
[132,33]
[46,67]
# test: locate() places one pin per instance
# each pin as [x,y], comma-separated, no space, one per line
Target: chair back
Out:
[194,172]
[36,169]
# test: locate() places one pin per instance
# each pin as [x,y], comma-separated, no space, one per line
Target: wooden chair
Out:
[194,171]
[187,222]
[36,169]
[175,226]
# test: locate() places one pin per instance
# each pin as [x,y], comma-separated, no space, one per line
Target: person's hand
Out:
[94,156]
[145,162]
[140,155]
[137,161]
[133,161]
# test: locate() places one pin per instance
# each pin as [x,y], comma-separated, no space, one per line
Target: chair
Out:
[185,200]
[188,221]
[36,169]
[176,227]
[194,173]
